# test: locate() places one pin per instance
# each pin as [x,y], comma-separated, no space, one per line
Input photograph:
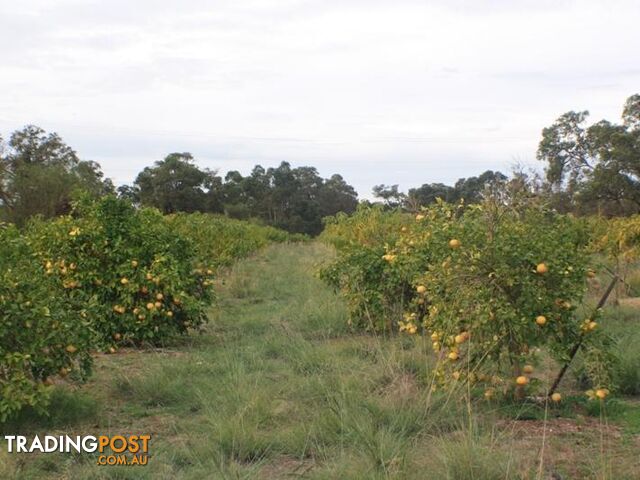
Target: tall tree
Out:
[429,192]
[336,195]
[39,174]
[390,195]
[471,190]
[176,184]
[294,199]
[594,168]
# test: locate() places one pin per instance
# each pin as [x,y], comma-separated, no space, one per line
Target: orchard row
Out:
[493,288]
[106,276]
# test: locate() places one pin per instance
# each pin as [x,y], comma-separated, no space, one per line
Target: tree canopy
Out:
[39,174]
[176,184]
[294,199]
[594,168]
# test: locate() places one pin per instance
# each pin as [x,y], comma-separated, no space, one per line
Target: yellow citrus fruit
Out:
[454,243]
[542,268]
[71,349]
[460,338]
[124,281]
[541,320]
[419,217]
[528,369]
[134,263]
[159,296]
[453,355]
[522,380]
[601,393]
[556,397]
[421,289]
[150,306]
[435,337]
[592,325]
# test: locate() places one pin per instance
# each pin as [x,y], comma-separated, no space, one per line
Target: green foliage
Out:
[104,276]
[175,184]
[509,278]
[219,240]
[142,275]
[376,290]
[43,333]
[39,174]
[471,190]
[594,168]
[508,269]
[367,226]
[293,199]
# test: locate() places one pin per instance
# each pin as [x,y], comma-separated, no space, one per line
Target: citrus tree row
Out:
[108,275]
[492,287]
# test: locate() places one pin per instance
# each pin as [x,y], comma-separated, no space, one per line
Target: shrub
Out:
[490,284]
[219,240]
[43,333]
[376,285]
[131,263]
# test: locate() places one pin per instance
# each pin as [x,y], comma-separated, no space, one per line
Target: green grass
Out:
[277,387]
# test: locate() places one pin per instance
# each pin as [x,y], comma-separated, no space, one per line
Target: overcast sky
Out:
[405,92]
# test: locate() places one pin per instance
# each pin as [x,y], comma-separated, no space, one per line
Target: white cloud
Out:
[381,92]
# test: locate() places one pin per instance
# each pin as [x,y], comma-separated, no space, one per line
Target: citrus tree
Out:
[43,333]
[491,285]
[499,286]
[376,282]
[145,278]
[219,241]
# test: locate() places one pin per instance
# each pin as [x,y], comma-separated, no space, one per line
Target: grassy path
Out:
[277,388]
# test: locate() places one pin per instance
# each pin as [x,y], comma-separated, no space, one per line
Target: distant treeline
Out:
[588,169]
[40,175]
